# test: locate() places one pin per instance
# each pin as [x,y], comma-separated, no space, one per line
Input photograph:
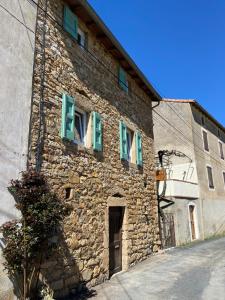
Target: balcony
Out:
[179,189]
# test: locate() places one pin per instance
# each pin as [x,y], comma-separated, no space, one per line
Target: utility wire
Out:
[180,132]
[177,137]
[189,125]
[95,59]
[13,16]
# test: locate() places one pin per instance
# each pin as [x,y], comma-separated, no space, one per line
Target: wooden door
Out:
[167,231]
[115,239]
[192,220]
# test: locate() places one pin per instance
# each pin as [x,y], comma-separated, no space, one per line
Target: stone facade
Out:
[97,180]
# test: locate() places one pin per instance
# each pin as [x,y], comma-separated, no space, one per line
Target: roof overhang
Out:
[84,11]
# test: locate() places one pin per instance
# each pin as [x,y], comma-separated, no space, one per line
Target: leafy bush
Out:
[27,238]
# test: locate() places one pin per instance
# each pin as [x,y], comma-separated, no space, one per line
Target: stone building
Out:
[193,145]
[92,135]
[17,35]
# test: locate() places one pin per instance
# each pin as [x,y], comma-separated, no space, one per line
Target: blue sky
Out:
[178,44]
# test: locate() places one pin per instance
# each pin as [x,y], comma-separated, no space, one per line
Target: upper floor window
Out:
[130,145]
[79,126]
[82,38]
[203,120]
[218,133]
[221,150]
[224,178]
[205,140]
[70,24]
[210,177]
[123,82]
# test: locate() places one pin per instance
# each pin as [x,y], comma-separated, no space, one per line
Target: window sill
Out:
[131,165]
[75,147]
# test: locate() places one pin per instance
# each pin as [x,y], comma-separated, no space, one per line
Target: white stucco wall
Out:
[182,179]
[212,200]
[16,68]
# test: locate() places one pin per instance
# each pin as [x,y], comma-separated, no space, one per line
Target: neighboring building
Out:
[17,34]
[92,135]
[193,145]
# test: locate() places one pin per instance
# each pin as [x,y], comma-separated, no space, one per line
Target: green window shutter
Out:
[139,157]
[96,131]
[68,111]
[123,80]
[70,22]
[123,141]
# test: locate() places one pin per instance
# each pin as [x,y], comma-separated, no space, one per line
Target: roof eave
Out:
[155,95]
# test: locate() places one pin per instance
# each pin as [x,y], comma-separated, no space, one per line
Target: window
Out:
[205,140]
[221,150]
[68,192]
[130,135]
[81,38]
[70,21]
[203,121]
[210,177]
[130,145]
[123,82]
[218,133]
[80,127]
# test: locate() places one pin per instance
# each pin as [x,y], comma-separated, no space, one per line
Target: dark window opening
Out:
[210,177]
[218,133]
[203,121]
[68,193]
[221,150]
[79,127]
[205,140]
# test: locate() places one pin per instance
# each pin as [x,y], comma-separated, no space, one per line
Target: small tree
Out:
[27,238]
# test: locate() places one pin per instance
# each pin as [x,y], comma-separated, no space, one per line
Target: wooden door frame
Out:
[116,202]
[195,215]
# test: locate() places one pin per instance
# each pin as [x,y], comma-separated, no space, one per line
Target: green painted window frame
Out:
[70,22]
[123,141]
[139,150]
[97,132]
[123,82]
[67,122]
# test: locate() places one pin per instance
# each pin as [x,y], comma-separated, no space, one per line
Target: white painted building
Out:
[195,181]
[17,33]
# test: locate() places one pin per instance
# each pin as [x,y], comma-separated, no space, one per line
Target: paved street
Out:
[194,272]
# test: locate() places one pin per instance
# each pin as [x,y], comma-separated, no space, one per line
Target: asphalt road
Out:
[188,273]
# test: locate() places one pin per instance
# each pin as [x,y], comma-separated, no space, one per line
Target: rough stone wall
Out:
[62,66]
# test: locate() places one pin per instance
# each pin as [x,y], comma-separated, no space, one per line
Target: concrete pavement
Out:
[188,273]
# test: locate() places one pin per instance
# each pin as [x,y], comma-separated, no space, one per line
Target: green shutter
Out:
[139,158]
[96,131]
[70,22]
[123,80]
[123,141]
[68,110]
